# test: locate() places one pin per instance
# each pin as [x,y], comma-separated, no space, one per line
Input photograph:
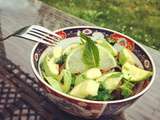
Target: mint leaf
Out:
[90,52]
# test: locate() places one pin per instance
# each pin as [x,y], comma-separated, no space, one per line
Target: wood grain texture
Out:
[15,14]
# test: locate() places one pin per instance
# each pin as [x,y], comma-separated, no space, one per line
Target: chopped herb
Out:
[62,59]
[127,88]
[103,95]
[73,79]
[111,41]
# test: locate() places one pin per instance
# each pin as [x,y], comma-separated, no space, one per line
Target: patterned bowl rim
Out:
[91,101]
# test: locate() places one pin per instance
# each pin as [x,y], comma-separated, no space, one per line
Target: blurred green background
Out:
[139,19]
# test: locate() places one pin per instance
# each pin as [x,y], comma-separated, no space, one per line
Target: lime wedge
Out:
[71,47]
[75,64]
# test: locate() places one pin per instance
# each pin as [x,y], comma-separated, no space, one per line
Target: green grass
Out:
[139,19]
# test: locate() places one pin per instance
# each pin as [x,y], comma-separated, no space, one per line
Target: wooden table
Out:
[15,14]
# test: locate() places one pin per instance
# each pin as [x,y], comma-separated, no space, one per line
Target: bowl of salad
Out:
[93,71]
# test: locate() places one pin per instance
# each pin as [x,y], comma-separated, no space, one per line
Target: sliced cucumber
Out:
[135,74]
[85,88]
[125,56]
[57,53]
[49,67]
[54,83]
[111,80]
[93,73]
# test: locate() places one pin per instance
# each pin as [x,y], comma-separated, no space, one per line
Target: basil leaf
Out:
[90,52]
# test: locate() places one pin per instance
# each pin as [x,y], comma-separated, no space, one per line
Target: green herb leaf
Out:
[90,52]
[126,88]
[73,79]
[62,59]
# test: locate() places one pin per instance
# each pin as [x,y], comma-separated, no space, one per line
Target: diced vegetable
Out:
[111,80]
[57,53]
[107,75]
[54,83]
[85,88]
[93,73]
[50,68]
[135,74]
[125,56]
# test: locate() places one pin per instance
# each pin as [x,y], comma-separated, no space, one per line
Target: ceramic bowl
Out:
[87,108]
